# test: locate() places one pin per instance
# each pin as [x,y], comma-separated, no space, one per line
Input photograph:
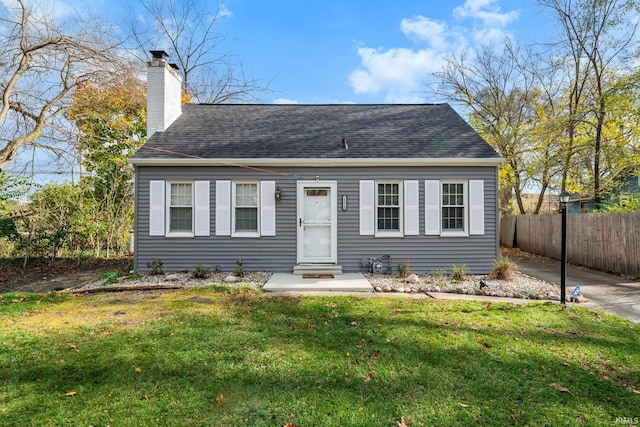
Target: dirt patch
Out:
[42,276]
[200,300]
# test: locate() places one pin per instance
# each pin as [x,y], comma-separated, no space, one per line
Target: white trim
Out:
[321,162]
[168,232]
[201,206]
[390,233]
[476,207]
[432,207]
[235,233]
[411,208]
[267,208]
[157,207]
[333,188]
[223,208]
[367,217]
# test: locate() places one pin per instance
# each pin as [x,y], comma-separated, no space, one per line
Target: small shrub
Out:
[239,271]
[504,268]
[155,265]
[438,273]
[134,275]
[110,277]
[458,272]
[403,270]
[200,271]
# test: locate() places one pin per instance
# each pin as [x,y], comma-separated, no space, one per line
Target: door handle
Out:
[300,222]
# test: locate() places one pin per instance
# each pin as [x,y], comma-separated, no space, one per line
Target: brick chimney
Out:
[164,93]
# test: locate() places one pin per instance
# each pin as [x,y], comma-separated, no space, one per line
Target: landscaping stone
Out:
[412,278]
[230,279]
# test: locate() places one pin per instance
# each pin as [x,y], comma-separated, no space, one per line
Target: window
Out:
[453,207]
[389,200]
[245,208]
[181,207]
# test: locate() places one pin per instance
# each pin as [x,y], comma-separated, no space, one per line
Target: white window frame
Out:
[456,233]
[235,233]
[390,233]
[181,233]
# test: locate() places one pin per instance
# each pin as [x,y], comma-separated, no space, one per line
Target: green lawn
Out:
[212,357]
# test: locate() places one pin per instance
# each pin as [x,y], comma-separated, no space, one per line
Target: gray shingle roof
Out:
[241,131]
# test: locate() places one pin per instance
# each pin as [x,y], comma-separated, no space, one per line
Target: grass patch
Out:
[226,357]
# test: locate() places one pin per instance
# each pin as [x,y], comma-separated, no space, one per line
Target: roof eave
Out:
[322,162]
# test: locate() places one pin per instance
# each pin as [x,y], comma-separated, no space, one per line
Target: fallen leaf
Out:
[220,398]
[565,364]
[138,369]
[404,423]
[70,393]
[368,377]
[289,425]
[486,345]
[464,405]
[543,368]
[635,391]
[559,388]
[603,376]
[354,323]
[360,409]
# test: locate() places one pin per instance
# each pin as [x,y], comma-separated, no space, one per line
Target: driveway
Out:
[607,292]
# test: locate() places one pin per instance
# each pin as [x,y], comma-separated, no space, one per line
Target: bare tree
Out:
[496,85]
[596,34]
[188,31]
[43,62]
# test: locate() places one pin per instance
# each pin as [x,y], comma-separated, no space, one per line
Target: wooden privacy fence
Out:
[606,241]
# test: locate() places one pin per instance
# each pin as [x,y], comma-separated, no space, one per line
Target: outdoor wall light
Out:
[278,194]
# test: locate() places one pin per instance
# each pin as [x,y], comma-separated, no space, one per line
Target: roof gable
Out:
[387,131]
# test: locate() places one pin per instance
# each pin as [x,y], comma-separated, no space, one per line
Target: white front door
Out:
[317,222]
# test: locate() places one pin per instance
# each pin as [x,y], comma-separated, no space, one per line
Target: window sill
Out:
[384,234]
[246,234]
[454,234]
[180,234]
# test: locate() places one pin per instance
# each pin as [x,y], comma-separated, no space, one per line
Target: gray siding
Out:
[278,254]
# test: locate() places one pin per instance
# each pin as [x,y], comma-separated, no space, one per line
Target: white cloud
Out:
[423,28]
[43,9]
[284,101]
[489,35]
[398,71]
[224,12]
[485,11]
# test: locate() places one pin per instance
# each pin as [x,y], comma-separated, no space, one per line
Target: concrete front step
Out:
[317,269]
[349,282]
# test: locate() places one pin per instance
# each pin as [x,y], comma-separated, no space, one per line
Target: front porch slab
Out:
[348,282]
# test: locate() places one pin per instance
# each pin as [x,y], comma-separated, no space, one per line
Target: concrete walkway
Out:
[606,292]
[348,282]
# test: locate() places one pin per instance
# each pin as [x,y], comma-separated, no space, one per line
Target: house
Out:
[624,189]
[285,187]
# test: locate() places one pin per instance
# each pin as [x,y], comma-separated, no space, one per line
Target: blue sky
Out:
[360,51]
[366,51]
[341,51]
